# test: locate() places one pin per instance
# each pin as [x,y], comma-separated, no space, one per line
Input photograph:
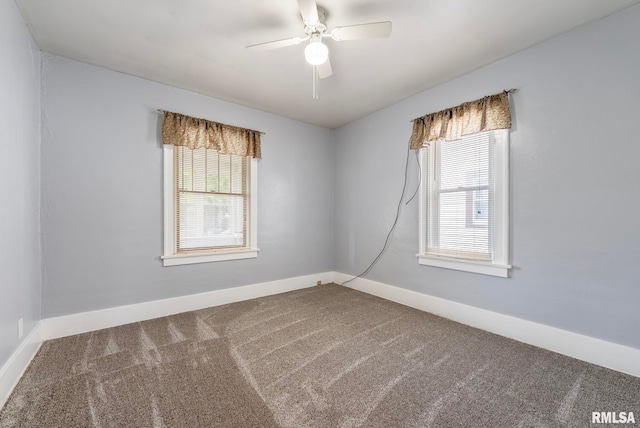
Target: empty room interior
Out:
[357,213]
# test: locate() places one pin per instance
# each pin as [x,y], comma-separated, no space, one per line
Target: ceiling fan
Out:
[317,53]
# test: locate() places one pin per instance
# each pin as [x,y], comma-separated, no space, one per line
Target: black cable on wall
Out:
[398,209]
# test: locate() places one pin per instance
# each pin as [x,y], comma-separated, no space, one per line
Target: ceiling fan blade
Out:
[276,44]
[309,11]
[362,31]
[325,70]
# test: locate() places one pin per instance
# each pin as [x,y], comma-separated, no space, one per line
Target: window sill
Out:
[485,268]
[206,257]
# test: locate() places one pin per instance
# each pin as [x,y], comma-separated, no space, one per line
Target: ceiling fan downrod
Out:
[315,82]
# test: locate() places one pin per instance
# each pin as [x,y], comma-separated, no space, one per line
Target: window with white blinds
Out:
[465,203]
[211,199]
[460,196]
[210,205]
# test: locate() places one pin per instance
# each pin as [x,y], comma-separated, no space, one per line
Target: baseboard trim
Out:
[68,325]
[15,367]
[596,351]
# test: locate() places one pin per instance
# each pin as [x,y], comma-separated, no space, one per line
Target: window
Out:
[464,204]
[210,206]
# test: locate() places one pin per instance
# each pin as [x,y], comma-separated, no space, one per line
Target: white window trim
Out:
[171,257]
[500,266]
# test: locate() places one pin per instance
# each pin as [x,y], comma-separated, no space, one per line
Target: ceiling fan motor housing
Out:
[321,26]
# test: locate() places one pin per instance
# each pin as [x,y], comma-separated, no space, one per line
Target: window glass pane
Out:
[199,168]
[238,176]
[465,163]
[208,216]
[479,208]
[211,221]
[212,171]
[456,235]
[185,176]
[224,173]
[461,198]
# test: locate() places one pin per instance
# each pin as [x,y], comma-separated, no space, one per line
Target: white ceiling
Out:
[199,45]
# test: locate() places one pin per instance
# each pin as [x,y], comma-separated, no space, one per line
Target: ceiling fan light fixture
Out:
[316,53]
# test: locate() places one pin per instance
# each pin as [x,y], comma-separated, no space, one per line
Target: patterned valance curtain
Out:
[181,130]
[486,114]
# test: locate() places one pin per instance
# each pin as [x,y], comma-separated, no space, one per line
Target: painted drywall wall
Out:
[575,228]
[102,192]
[20,283]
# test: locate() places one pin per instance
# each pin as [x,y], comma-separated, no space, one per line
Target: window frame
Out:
[500,245]
[170,256]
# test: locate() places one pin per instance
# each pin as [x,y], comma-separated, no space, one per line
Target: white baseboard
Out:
[67,325]
[13,369]
[617,357]
[596,351]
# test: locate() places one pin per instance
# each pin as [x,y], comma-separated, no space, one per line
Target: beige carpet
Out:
[326,356]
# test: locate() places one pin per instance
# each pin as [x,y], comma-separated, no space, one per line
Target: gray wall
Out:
[575,201]
[20,284]
[574,151]
[102,192]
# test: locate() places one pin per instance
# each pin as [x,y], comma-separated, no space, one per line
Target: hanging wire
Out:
[395,221]
[419,179]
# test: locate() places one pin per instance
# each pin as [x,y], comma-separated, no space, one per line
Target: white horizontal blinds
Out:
[211,199]
[461,198]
